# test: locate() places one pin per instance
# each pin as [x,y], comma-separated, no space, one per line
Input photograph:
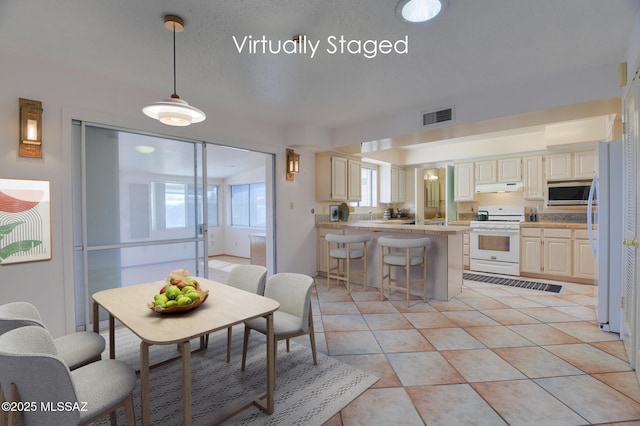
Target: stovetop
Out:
[499,215]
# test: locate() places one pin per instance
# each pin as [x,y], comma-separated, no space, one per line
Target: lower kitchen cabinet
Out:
[557,253]
[465,250]
[584,263]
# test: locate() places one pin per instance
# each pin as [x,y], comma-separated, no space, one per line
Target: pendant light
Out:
[174,111]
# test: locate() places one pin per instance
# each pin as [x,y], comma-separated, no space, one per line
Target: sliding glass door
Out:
[140,210]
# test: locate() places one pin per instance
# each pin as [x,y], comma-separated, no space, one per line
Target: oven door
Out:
[500,245]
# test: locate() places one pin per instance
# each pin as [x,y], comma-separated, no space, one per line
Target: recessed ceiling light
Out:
[145,149]
[420,10]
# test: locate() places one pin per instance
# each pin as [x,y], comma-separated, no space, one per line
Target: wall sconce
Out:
[293,164]
[30,128]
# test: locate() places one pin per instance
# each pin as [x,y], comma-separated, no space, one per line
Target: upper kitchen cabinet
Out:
[393,184]
[585,164]
[337,178]
[504,170]
[510,170]
[533,176]
[486,172]
[464,188]
[571,165]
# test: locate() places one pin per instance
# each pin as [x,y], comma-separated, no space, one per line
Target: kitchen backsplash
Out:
[542,217]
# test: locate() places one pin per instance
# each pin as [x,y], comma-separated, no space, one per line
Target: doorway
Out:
[144,205]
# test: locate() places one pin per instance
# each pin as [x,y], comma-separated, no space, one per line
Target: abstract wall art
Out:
[25,221]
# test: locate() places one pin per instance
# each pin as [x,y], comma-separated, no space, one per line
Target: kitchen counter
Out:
[395,226]
[557,225]
[445,258]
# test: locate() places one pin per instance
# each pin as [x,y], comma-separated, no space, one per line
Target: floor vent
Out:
[512,282]
[436,117]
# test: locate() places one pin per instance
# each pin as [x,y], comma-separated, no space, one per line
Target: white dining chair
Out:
[293,318]
[32,372]
[76,349]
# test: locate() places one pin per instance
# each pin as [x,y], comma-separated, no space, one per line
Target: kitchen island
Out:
[445,260]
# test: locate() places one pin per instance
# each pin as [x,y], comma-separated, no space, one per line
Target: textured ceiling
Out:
[476,46]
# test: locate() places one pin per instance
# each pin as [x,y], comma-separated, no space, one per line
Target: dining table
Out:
[224,307]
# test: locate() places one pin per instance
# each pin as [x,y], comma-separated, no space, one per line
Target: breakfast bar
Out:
[445,259]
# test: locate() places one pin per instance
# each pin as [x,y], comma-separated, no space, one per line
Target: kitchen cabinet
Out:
[465,250]
[486,172]
[322,253]
[393,184]
[464,187]
[546,252]
[258,245]
[557,252]
[337,178]
[510,170]
[584,263]
[585,164]
[571,165]
[533,178]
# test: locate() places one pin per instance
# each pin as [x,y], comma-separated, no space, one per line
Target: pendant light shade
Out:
[174,111]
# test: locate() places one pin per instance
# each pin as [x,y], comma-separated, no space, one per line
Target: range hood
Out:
[499,187]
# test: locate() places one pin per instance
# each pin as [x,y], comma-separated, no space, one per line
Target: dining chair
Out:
[401,252]
[293,318]
[75,349]
[249,278]
[32,373]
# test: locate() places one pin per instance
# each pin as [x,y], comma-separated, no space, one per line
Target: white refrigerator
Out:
[606,199]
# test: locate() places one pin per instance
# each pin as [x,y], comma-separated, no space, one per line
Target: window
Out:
[248,205]
[174,205]
[369,187]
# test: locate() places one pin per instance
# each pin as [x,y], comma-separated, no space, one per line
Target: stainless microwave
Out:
[569,193]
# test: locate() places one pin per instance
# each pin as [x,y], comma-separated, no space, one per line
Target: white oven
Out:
[494,245]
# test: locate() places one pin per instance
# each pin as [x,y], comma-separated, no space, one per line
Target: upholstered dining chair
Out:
[251,278]
[293,318]
[32,372]
[75,349]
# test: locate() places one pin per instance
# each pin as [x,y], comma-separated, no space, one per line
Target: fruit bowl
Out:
[175,309]
[180,293]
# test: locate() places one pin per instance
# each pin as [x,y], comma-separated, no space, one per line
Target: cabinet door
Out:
[395,184]
[510,170]
[531,255]
[465,250]
[557,256]
[402,185]
[584,264]
[339,178]
[486,172]
[355,184]
[585,164]
[533,178]
[464,186]
[559,166]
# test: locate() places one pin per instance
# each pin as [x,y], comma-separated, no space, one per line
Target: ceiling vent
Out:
[437,117]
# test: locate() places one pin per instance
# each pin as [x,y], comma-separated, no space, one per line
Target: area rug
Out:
[306,394]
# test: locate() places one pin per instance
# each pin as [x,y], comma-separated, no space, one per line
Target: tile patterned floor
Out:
[494,355]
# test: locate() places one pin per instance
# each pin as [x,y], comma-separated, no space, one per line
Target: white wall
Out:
[66,94]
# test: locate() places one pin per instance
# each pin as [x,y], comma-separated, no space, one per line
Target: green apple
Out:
[172,292]
[162,297]
[187,288]
[184,300]
[193,295]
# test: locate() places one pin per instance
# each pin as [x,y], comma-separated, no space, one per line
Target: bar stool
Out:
[402,252]
[345,251]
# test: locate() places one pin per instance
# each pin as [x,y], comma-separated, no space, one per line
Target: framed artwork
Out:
[25,221]
[333,209]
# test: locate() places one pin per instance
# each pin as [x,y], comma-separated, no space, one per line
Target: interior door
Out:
[630,306]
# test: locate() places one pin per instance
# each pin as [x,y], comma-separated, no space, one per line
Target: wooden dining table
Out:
[224,307]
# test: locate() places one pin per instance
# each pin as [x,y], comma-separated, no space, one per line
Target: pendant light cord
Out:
[175,93]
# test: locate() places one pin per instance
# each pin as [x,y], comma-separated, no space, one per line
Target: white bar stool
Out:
[345,251]
[398,252]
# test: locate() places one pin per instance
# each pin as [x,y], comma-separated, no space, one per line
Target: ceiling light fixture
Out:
[174,111]
[420,10]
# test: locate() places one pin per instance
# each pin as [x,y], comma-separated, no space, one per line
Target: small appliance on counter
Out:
[387,214]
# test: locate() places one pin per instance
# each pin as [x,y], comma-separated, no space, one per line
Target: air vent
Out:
[436,117]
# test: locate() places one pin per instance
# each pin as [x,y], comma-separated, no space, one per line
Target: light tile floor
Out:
[494,355]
